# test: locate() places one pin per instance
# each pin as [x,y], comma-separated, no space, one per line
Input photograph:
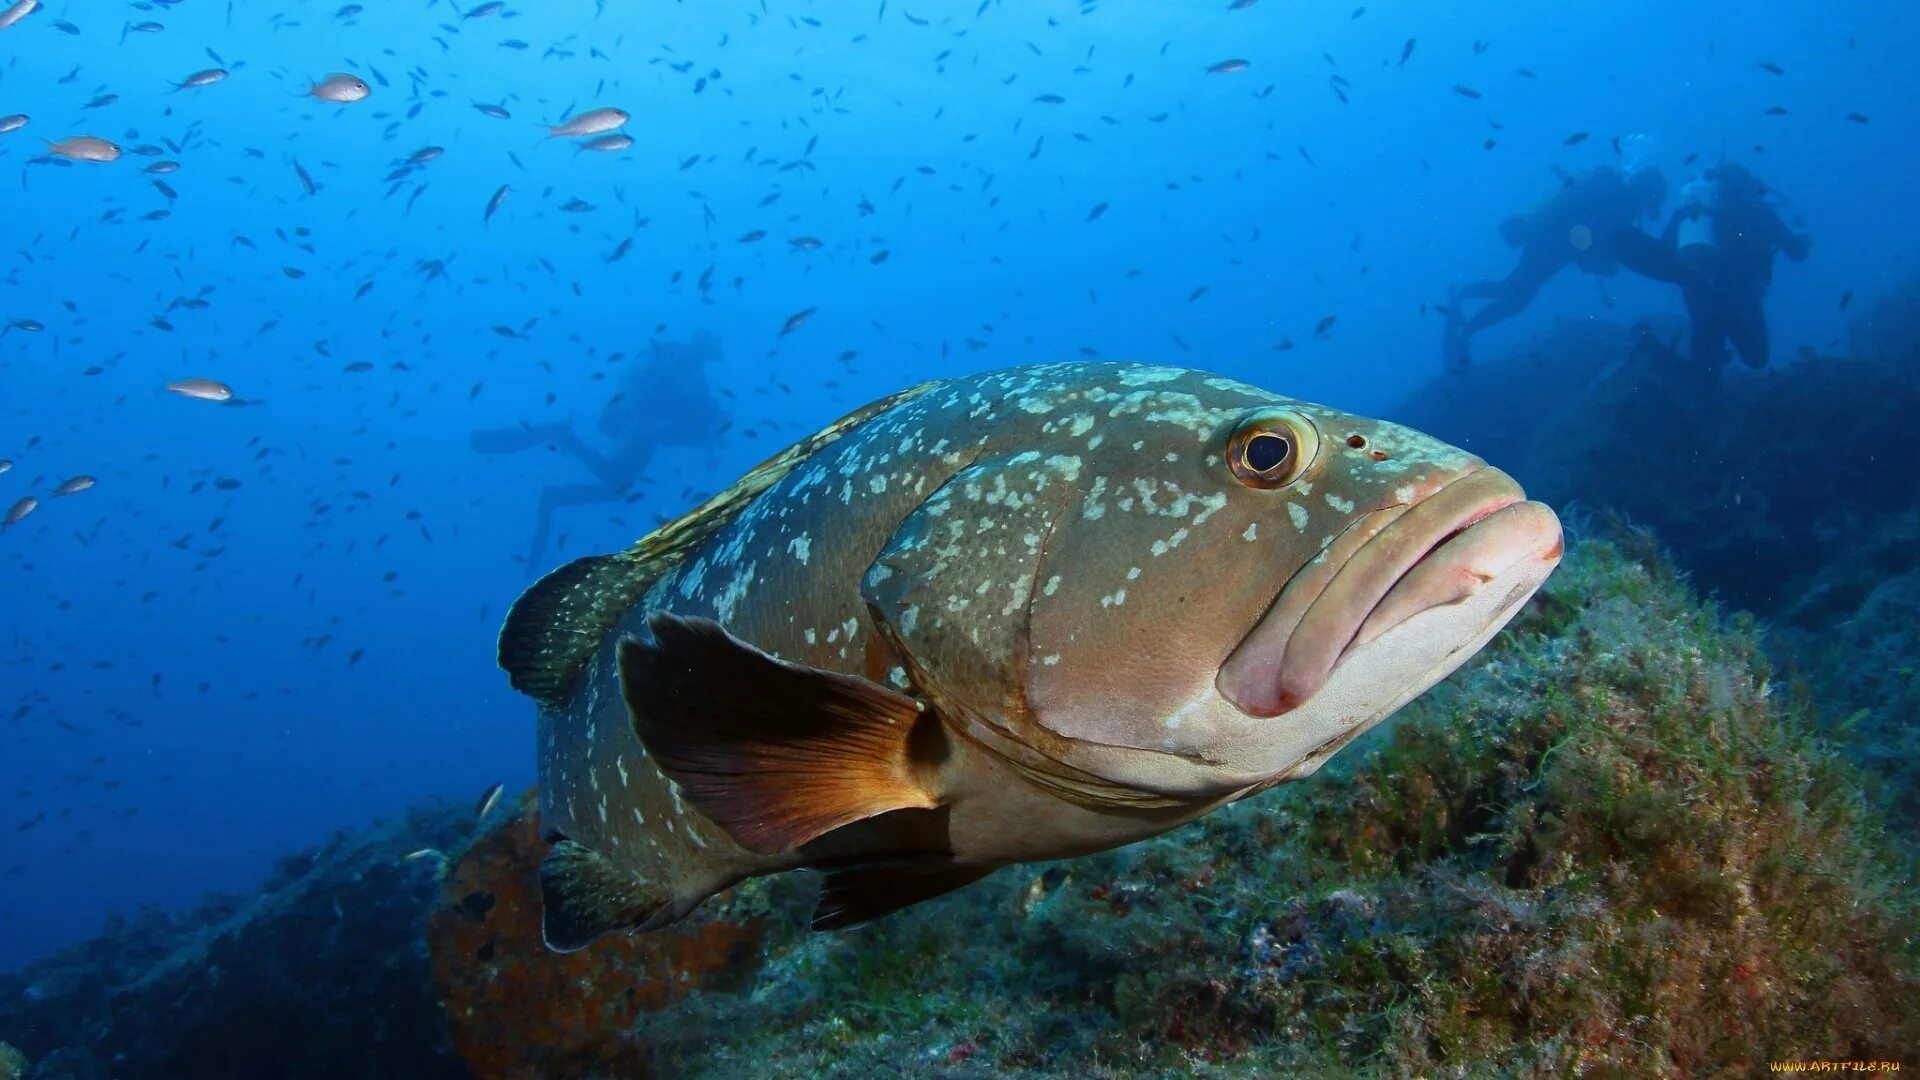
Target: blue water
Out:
[200,677]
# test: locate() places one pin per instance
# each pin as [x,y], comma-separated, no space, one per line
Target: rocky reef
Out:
[323,972]
[1638,835]
[1612,843]
[1791,492]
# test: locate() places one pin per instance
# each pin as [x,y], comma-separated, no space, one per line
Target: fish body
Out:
[493,204]
[1018,616]
[1228,67]
[341,88]
[608,144]
[84,148]
[19,10]
[202,78]
[18,512]
[201,389]
[591,122]
[75,485]
[6,465]
[13,122]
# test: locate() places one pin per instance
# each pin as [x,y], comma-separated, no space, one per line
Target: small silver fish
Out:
[203,389]
[591,122]
[19,512]
[76,485]
[18,11]
[341,89]
[1227,67]
[13,122]
[498,112]
[608,144]
[201,78]
[494,203]
[84,148]
[162,168]
[488,801]
[6,465]
[425,154]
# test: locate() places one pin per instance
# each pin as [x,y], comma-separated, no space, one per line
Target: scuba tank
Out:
[1698,201]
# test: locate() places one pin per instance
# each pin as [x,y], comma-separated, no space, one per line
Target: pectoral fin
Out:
[583,896]
[854,896]
[775,753]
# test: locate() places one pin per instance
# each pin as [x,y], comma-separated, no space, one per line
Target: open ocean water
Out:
[325,330]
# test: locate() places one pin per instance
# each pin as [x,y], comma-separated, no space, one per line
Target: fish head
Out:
[1248,582]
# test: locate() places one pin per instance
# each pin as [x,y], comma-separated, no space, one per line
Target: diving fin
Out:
[860,895]
[582,896]
[775,753]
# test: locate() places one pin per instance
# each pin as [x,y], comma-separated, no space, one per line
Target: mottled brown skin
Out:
[1057,561]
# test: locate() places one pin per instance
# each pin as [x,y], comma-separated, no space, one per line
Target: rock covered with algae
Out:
[1609,844]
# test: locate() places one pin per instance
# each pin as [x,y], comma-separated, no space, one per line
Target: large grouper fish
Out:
[1023,615]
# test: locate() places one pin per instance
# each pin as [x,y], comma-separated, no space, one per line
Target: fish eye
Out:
[1270,448]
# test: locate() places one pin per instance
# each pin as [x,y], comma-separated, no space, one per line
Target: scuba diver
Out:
[1719,249]
[1578,225]
[666,402]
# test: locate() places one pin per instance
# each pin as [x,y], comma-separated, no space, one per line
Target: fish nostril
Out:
[1357,441]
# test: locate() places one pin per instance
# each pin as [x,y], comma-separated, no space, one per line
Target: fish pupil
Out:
[1266,452]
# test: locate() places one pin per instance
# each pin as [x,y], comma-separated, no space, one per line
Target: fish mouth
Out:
[1476,532]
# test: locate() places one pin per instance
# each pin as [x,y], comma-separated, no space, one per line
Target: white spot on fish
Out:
[800,547]
[1148,376]
[1253,531]
[1299,515]
[1340,505]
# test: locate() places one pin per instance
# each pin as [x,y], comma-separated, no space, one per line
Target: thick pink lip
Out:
[1386,568]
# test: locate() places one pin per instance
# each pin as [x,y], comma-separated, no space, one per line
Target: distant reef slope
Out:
[1793,493]
[1609,843]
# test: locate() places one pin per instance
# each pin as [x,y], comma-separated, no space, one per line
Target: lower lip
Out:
[1278,667]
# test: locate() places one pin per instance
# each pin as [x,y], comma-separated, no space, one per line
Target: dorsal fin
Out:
[553,629]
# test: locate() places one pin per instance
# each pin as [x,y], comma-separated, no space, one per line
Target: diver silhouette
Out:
[666,401]
[1719,247]
[1575,226]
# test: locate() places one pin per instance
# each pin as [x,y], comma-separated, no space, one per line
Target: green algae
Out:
[1610,845]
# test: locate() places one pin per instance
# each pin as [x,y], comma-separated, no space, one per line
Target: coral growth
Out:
[519,1010]
[13,1064]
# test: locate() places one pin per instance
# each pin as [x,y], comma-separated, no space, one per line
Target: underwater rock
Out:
[13,1064]
[322,973]
[1789,492]
[517,1009]
[1759,483]
[1607,844]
